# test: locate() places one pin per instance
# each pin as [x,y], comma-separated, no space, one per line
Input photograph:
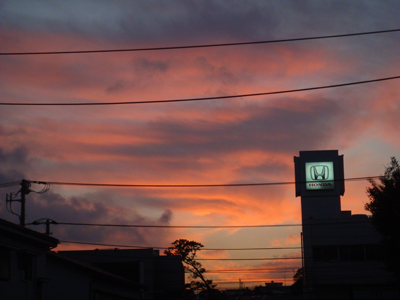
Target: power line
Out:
[9,184]
[251,281]
[173,226]
[282,269]
[99,254]
[200,46]
[200,98]
[258,258]
[249,271]
[289,278]
[161,248]
[121,185]
[260,270]
[205,226]
[254,270]
[167,185]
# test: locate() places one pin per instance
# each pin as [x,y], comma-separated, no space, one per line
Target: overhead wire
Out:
[123,185]
[289,279]
[258,258]
[97,253]
[171,226]
[208,259]
[206,226]
[247,281]
[113,253]
[162,248]
[255,270]
[233,270]
[199,98]
[200,46]
[43,190]
[10,184]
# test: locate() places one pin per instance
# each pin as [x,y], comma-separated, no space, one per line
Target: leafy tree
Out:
[188,250]
[385,210]
[297,286]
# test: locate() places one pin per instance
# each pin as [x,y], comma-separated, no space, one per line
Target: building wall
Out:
[169,277]
[29,271]
[342,260]
[343,251]
[132,259]
[22,261]
[340,250]
[163,276]
[70,280]
[66,281]
[25,274]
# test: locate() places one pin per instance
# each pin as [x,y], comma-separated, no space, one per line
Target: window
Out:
[100,295]
[5,259]
[347,253]
[359,252]
[25,263]
[356,253]
[325,253]
[344,253]
[373,252]
[351,253]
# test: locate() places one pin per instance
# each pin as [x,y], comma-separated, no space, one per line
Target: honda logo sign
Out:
[319,172]
[319,176]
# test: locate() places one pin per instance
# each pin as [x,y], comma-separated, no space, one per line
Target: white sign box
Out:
[320,176]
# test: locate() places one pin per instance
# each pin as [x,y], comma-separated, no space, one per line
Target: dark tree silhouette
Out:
[188,250]
[385,210]
[297,286]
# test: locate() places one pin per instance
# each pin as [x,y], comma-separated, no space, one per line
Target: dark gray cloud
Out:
[271,128]
[166,217]
[75,209]
[257,173]
[117,86]
[196,21]
[144,65]
[144,73]
[97,207]
[13,164]
[148,199]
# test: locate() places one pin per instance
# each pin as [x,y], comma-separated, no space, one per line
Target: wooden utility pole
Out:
[24,191]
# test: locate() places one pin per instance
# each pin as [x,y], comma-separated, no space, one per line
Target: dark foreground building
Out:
[30,271]
[341,252]
[163,276]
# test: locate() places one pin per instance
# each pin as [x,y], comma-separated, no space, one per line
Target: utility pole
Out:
[25,185]
[47,222]
[25,190]
[10,198]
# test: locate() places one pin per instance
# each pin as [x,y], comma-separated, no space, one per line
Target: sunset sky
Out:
[223,141]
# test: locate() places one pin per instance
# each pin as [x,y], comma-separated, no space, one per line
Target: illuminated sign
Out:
[319,176]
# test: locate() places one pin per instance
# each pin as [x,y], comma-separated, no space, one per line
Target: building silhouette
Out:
[341,252]
[163,276]
[29,270]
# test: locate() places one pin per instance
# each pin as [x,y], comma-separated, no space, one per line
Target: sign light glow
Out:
[319,176]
